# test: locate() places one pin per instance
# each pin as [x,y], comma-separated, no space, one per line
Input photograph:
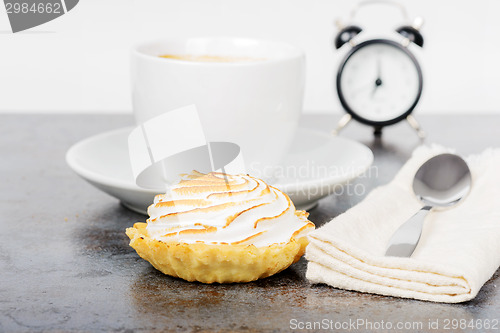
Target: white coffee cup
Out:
[255,103]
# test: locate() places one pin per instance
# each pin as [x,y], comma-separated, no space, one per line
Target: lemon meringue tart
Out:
[221,228]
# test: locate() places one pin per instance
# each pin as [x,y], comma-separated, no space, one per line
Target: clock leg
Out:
[342,123]
[416,126]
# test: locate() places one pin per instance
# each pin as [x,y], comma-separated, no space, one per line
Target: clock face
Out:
[379,82]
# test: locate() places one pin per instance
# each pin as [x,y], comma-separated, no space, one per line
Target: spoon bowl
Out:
[442,181]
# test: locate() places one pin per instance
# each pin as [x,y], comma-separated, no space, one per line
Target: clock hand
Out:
[379,68]
[378,83]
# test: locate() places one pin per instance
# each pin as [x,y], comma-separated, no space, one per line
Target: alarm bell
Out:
[346,34]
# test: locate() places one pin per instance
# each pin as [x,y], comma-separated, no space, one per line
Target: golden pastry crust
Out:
[220,263]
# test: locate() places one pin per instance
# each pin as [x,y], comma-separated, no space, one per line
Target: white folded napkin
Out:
[458,252]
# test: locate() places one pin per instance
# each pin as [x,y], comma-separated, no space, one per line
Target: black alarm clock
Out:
[379,81]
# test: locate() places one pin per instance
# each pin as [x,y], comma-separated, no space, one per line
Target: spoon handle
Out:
[404,241]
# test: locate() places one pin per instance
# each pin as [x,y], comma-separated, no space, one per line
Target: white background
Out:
[80,61]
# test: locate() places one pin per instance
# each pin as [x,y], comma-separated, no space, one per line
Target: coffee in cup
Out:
[208,58]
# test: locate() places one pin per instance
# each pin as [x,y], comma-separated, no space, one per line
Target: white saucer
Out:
[316,165]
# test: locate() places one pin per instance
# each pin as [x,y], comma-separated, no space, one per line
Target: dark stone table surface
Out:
[65,263]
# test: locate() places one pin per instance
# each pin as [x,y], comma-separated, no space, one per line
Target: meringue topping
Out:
[217,208]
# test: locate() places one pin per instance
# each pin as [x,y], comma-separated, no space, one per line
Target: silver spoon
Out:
[441,181]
